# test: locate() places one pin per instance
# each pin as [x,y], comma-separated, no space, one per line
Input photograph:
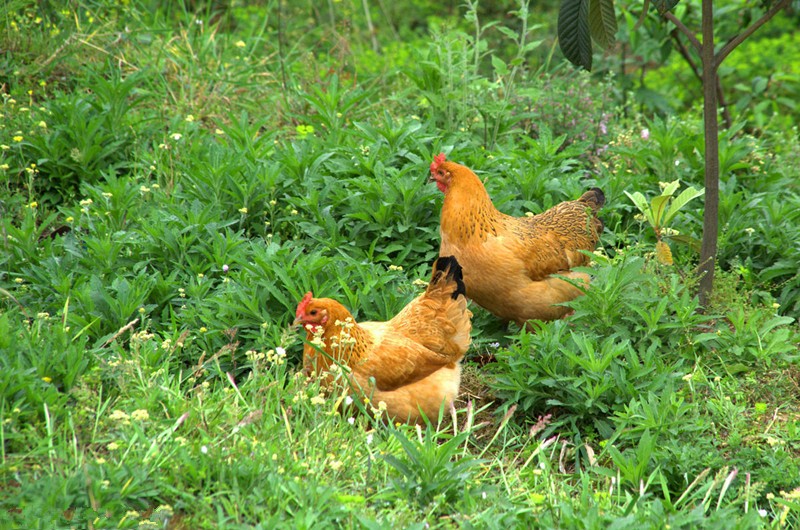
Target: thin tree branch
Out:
[738,39]
[639,22]
[684,52]
[686,31]
[370,27]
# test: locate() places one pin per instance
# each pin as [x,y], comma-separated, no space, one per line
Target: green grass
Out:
[174,178]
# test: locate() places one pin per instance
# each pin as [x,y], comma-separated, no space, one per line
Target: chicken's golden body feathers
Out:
[510,263]
[411,362]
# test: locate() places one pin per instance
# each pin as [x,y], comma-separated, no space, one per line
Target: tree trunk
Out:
[708,250]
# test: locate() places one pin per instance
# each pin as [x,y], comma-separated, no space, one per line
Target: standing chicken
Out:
[510,262]
[411,362]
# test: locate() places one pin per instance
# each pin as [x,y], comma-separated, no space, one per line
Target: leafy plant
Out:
[235,157]
[433,473]
[661,211]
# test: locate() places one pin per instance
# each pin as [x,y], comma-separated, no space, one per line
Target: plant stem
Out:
[683,29]
[738,39]
[708,249]
[332,15]
[280,46]
[684,52]
[370,27]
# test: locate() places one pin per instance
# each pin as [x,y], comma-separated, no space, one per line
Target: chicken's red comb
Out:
[301,307]
[438,160]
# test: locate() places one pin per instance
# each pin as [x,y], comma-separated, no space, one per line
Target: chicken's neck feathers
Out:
[468,211]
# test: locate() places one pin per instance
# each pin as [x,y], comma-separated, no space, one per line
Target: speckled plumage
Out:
[410,362]
[509,262]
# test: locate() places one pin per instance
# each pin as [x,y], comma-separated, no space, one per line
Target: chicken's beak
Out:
[297,322]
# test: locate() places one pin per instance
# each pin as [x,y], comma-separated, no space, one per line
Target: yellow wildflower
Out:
[140,415]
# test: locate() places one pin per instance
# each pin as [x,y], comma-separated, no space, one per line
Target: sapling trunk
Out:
[708,250]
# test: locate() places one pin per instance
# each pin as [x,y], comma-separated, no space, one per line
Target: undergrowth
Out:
[173,179]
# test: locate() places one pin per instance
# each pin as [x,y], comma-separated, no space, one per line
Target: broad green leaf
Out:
[574,37]
[508,32]
[638,199]
[680,201]
[499,65]
[774,323]
[692,242]
[641,203]
[659,206]
[671,188]
[532,46]
[602,22]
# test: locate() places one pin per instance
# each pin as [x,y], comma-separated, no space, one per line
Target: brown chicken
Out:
[509,262]
[411,362]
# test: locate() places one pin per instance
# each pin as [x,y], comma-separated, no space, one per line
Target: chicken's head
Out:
[311,311]
[439,174]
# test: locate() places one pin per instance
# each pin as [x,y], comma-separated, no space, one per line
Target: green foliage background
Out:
[173,178]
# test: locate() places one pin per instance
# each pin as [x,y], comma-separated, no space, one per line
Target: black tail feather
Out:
[449,266]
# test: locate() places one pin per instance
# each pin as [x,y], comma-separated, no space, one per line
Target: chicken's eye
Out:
[313,312]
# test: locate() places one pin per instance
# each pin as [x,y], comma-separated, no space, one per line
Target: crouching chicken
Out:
[411,363]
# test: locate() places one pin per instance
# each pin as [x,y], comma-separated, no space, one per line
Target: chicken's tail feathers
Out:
[447,274]
[595,198]
[451,319]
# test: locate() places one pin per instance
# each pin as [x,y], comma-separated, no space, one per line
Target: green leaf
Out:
[680,201]
[691,242]
[574,37]
[659,205]
[500,67]
[602,22]
[508,32]
[641,203]
[671,188]
[532,46]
